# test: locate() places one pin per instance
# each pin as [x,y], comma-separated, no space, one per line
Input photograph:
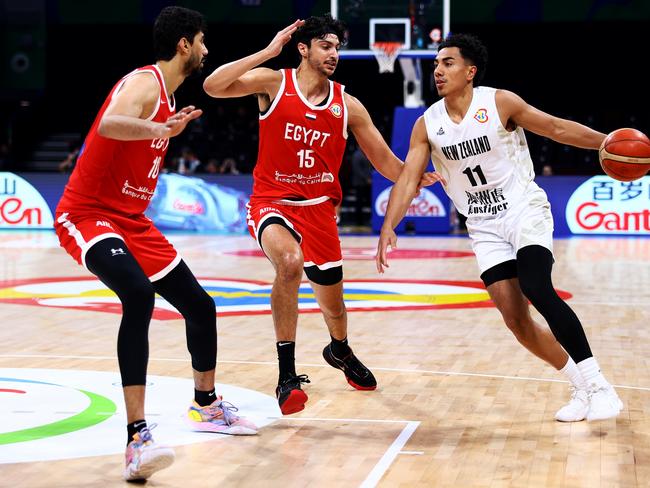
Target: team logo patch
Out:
[481,115]
[247,297]
[336,110]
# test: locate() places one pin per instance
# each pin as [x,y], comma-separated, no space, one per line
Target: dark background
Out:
[583,60]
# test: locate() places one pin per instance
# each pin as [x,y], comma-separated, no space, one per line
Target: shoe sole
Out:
[359,387]
[215,429]
[603,417]
[333,364]
[295,402]
[153,463]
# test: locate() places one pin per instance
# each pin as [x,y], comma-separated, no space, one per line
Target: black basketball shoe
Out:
[355,372]
[290,396]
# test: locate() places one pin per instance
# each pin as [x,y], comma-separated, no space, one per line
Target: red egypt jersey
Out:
[118,175]
[301,145]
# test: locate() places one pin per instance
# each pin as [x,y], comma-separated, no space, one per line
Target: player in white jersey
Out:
[476,140]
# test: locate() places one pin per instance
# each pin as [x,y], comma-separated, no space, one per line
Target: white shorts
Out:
[496,240]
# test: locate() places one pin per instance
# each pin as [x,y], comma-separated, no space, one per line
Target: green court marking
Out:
[100,409]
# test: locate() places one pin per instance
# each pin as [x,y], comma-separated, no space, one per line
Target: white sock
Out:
[590,372]
[571,371]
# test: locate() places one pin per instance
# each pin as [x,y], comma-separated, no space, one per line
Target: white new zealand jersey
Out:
[487,168]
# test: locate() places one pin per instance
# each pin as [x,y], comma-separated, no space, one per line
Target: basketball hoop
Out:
[386,53]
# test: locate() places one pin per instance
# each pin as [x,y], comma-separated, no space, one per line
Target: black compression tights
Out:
[534,264]
[122,274]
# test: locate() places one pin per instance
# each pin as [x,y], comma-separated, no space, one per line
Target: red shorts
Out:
[78,232]
[314,226]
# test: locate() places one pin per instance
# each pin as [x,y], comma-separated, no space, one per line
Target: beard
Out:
[320,67]
[194,65]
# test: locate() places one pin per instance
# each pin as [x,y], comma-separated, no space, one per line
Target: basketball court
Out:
[459,402]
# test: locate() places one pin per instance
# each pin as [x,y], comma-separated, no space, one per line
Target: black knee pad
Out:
[325,277]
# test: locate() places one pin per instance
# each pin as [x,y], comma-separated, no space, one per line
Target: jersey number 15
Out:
[306,158]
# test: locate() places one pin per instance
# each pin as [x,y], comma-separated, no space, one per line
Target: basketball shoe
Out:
[355,372]
[604,403]
[144,457]
[290,396]
[218,417]
[577,408]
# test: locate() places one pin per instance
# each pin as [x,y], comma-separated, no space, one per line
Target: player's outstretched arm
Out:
[374,146]
[513,108]
[371,141]
[125,117]
[404,190]
[238,78]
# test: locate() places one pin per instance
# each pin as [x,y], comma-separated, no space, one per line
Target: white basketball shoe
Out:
[577,408]
[604,403]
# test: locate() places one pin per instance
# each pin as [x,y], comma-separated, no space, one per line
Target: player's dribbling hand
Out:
[282,37]
[387,237]
[175,124]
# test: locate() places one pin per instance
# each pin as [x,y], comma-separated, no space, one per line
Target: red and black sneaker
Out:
[355,372]
[290,396]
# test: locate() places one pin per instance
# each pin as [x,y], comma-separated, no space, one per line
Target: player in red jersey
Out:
[304,122]
[100,222]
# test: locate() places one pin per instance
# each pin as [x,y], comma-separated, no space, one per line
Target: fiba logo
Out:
[336,110]
[481,115]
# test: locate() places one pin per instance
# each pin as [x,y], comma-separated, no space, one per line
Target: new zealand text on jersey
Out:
[465,149]
[295,132]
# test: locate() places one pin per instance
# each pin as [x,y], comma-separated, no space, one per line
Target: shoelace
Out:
[226,408]
[574,392]
[302,378]
[144,435]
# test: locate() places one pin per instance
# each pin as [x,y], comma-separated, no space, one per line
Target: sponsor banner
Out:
[209,203]
[427,214]
[601,205]
[190,203]
[21,205]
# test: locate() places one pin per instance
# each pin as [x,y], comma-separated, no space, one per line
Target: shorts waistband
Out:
[302,203]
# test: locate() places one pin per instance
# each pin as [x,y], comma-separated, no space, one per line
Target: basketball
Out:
[625,154]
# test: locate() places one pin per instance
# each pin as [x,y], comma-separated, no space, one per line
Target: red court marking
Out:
[368,253]
[9,390]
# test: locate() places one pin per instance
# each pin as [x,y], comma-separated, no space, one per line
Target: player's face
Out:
[323,55]
[198,53]
[451,73]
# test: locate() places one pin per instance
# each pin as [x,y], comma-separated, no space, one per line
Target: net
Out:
[386,53]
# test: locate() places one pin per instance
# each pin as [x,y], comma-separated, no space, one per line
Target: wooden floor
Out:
[459,402]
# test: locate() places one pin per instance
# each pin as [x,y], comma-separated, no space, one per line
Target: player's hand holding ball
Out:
[625,154]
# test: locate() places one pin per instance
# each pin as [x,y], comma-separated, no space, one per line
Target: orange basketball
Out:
[625,154]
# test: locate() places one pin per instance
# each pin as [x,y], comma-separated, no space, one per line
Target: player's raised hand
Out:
[282,37]
[175,124]
[387,237]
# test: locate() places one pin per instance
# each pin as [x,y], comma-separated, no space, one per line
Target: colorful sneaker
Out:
[144,457]
[290,396]
[355,372]
[577,408]
[219,417]
[604,403]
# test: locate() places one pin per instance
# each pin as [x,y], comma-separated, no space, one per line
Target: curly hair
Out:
[171,25]
[472,50]
[318,28]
